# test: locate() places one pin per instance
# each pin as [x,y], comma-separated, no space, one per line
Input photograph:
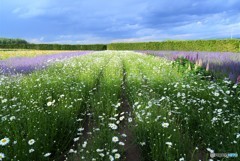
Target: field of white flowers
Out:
[108,105]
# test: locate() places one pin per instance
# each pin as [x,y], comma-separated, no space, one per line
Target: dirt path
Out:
[87,124]
[132,151]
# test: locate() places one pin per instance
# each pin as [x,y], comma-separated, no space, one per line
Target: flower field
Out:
[221,64]
[5,54]
[116,105]
[31,61]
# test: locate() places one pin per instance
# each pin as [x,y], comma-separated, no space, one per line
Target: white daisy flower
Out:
[49,104]
[101,154]
[165,124]
[142,143]
[4,141]
[115,139]
[100,150]
[118,105]
[79,119]
[113,126]
[31,142]
[2,156]
[235,86]
[169,144]
[117,156]
[129,119]
[76,139]
[216,94]
[72,151]
[210,150]
[114,150]
[181,159]
[31,150]
[238,135]
[111,158]
[4,100]
[47,154]
[121,118]
[84,144]
[80,129]
[124,135]
[12,118]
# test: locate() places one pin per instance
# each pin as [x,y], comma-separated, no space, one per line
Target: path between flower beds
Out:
[131,150]
[25,65]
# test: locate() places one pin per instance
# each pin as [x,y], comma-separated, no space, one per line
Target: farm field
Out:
[29,61]
[117,105]
[5,54]
[221,64]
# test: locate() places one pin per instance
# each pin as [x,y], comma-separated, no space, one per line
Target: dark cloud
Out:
[178,13]
[105,21]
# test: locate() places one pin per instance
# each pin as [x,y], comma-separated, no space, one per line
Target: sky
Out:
[107,21]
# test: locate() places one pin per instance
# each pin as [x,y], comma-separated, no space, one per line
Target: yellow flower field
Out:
[5,54]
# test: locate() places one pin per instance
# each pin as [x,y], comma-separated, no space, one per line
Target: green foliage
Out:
[174,113]
[47,111]
[53,46]
[5,41]
[184,65]
[196,45]
[178,114]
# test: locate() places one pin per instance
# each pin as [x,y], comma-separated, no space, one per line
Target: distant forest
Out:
[4,41]
[8,43]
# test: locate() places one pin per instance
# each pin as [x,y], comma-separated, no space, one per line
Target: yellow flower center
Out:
[4,140]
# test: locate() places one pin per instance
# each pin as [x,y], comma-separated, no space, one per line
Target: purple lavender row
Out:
[222,64]
[24,65]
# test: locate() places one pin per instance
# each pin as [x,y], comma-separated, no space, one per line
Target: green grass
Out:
[67,109]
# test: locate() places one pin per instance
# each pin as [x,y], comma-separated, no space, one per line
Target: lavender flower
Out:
[238,79]
[26,65]
[221,63]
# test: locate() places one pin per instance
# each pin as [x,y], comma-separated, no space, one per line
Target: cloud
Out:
[164,14]
[105,21]
[28,13]
[36,40]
